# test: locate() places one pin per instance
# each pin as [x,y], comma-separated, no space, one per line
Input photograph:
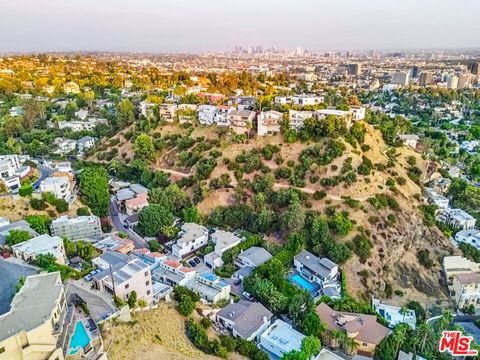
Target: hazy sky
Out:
[200,25]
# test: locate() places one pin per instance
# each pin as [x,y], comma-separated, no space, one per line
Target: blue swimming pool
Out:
[297,279]
[80,338]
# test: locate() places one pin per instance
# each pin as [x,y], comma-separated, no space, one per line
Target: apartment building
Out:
[121,274]
[241,120]
[192,237]
[78,228]
[32,326]
[58,186]
[167,112]
[221,116]
[269,122]
[40,245]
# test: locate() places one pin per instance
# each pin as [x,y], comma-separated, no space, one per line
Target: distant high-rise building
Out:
[425,78]
[473,67]
[299,51]
[400,78]
[452,82]
[464,81]
[414,72]
[354,69]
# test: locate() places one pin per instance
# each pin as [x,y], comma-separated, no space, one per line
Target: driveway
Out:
[44,173]
[99,303]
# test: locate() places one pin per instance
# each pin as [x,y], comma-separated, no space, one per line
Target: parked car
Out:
[88,277]
[197,260]
[248,296]
[192,263]
[237,282]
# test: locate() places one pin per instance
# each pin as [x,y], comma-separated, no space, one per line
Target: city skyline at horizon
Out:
[188,26]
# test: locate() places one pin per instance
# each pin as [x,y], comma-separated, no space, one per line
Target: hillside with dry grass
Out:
[397,233]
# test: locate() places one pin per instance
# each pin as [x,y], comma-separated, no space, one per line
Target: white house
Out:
[319,270]
[192,238]
[209,287]
[173,273]
[221,116]
[40,245]
[409,140]
[240,120]
[457,218]
[85,143]
[436,199]
[466,290]
[469,236]
[269,122]
[65,146]
[252,257]
[303,99]
[58,186]
[394,314]
[206,114]
[297,118]
[281,338]
[223,240]
[9,165]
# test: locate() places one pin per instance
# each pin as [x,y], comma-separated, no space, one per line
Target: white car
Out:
[248,296]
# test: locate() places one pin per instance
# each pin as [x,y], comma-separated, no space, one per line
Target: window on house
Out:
[147,283]
[148,292]
[127,286]
[2,350]
[146,273]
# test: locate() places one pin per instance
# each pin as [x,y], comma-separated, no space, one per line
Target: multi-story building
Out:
[452,82]
[246,320]
[425,78]
[192,237]
[223,240]
[206,114]
[221,116]
[455,265]
[269,122]
[469,236]
[400,78]
[40,245]
[252,257]
[209,287]
[76,126]
[457,218]
[121,274]
[58,186]
[439,200]
[9,165]
[115,243]
[32,326]
[85,143]
[167,112]
[71,87]
[241,120]
[394,314]
[319,270]
[466,290]
[173,273]
[78,228]
[297,118]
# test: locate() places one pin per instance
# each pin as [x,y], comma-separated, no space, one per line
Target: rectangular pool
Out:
[298,280]
[80,338]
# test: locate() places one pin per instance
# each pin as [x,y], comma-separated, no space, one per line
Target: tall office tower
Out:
[414,72]
[452,82]
[299,51]
[400,78]
[425,78]
[473,67]
[354,69]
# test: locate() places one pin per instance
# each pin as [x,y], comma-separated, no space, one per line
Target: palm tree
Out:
[423,337]
[350,346]
[403,311]
[400,336]
[335,337]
